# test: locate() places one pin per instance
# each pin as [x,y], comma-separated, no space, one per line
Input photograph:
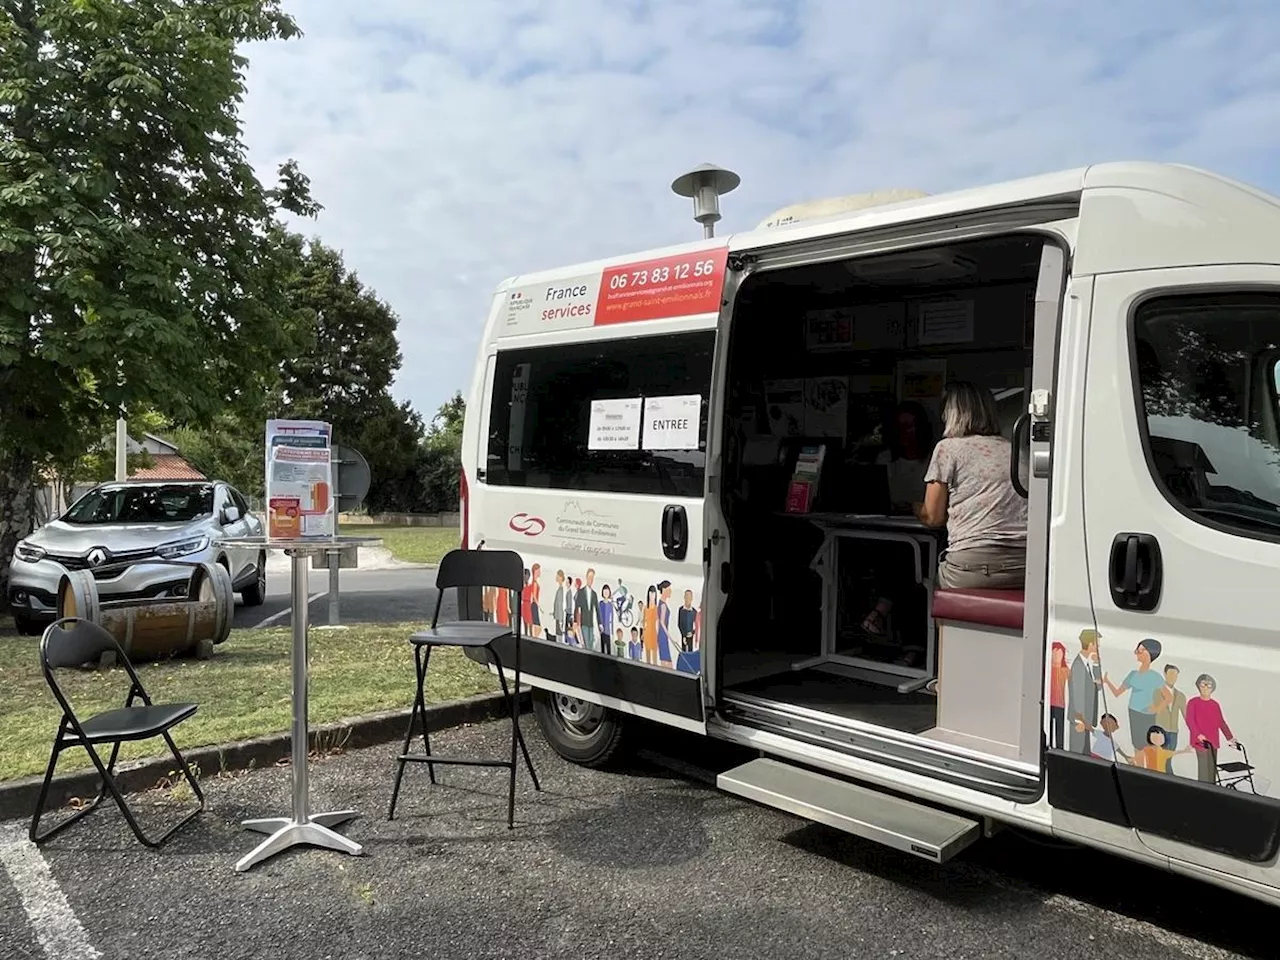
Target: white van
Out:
[687,447]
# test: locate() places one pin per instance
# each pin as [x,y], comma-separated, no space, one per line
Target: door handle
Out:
[1020,432]
[1137,571]
[675,532]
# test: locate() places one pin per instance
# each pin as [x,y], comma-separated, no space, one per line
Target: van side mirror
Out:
[230,515]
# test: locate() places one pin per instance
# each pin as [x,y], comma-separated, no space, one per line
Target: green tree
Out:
[140,263]
[442,457]
[230,449]
[344,374]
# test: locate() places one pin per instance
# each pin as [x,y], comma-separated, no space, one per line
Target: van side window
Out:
[541,414]
[1207,368]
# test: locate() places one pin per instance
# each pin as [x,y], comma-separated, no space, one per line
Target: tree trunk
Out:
[17,510]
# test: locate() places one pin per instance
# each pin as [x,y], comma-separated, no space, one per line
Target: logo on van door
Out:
[529,526]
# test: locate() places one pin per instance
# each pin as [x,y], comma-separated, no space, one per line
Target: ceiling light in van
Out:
[836,207]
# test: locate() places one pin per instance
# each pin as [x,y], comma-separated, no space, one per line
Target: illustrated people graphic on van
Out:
[502,608]
[586,609]
[1058,675]
[1101,743]
[623,603]
[697,626]
[572,586]
[1084,687]
[665,656]
[967,490]
[687,621]
[633,645]
[1142,685]
[620,645]
[649,634]
[605,612]
[909,438]
[1171,709]
[1206,726]
[529,603]
[558,608]
[1156,754]
[536,597]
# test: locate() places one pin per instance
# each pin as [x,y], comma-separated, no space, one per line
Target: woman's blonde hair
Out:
[969,410]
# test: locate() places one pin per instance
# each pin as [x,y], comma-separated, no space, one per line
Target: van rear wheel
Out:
[581,732]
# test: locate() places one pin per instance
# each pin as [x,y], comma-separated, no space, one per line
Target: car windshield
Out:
[170,503]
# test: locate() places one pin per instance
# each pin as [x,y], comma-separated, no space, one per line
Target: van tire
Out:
[593,742]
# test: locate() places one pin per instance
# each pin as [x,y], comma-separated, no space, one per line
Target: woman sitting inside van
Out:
[968,490]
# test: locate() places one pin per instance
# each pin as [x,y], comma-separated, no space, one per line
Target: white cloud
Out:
[455,143]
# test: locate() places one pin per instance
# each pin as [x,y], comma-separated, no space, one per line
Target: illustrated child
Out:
[1155,755]
[619,645]
[1101,744]
[633,648]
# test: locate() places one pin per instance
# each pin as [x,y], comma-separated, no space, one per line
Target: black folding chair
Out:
[72,642]
[461,569]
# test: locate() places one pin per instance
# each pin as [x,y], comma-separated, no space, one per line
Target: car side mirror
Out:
[230,515]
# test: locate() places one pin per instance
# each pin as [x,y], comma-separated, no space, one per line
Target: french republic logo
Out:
[527,525]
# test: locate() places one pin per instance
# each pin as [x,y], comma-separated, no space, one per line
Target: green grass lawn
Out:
[410,544]
[243,691]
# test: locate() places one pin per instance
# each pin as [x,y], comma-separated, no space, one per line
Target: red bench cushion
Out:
[995,608]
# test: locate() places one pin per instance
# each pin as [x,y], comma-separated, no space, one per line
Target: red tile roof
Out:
[167,466]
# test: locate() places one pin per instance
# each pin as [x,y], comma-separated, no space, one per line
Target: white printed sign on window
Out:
[615,424]
[519,413]
[672,423]
[945,321]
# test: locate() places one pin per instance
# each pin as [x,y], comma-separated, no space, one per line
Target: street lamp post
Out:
[705,184]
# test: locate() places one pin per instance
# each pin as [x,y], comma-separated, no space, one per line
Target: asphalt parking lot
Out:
[365,596]
[647,863]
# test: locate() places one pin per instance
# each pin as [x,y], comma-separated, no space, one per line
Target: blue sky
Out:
[455,143]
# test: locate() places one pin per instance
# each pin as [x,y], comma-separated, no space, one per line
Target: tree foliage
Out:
[140,264]
[342,374]
[442,457]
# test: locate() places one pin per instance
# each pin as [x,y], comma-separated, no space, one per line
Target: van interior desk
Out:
[842,531]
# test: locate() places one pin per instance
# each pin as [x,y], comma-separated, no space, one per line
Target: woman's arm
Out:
[1115,691]
[933,512]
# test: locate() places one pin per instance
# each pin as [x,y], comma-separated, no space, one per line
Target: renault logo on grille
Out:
[97,557]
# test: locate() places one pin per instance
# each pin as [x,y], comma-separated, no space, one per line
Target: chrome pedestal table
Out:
[301,826]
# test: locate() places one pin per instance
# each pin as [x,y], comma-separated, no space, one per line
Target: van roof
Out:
[1184,184]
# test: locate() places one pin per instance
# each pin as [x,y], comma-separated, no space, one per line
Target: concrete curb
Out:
[18,797]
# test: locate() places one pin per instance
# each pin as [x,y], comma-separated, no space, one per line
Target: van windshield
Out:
[168,503]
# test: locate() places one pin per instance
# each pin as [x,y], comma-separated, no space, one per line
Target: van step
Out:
[901,824]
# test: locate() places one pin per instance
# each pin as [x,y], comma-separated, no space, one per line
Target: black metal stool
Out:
[462,569]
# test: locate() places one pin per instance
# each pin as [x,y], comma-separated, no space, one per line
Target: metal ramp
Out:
[901,824]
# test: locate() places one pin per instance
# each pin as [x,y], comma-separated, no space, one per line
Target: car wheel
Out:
[255,595]
[28,627]
[583,733]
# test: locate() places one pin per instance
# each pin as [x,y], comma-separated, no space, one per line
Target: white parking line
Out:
[56,927]
[279,614]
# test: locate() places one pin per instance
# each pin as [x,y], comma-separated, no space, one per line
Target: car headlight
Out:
[28,552]
[181,548]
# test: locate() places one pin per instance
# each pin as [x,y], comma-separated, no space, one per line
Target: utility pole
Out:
[122,450]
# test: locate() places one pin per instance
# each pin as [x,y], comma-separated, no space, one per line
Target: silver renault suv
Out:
[122,531]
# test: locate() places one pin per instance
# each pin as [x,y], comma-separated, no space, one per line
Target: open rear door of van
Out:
[593,469]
